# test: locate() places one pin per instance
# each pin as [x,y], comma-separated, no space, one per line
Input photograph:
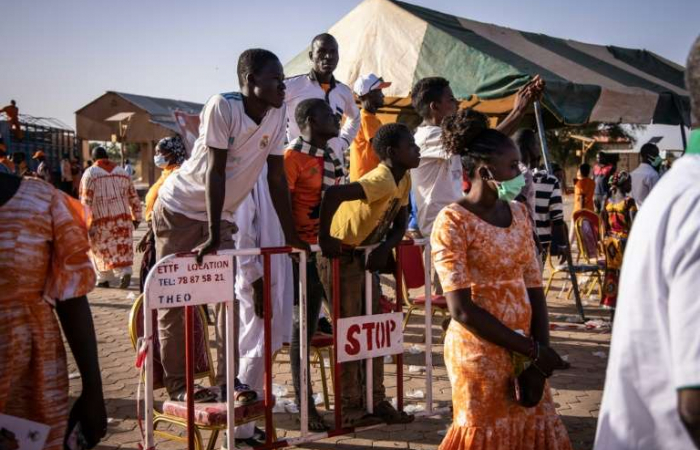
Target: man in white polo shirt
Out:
[320,83]
[652,387]
[239,133]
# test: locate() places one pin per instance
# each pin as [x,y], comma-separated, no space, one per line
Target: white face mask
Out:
[160,160]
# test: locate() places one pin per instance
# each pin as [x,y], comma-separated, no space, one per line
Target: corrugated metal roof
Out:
[48,122]
[156,106]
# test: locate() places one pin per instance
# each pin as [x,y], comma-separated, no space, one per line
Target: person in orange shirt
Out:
[363,159]
[311,167]
[13,117]
[584,189]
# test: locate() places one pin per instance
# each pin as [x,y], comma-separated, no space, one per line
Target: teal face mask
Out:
[656,162]
[509,189]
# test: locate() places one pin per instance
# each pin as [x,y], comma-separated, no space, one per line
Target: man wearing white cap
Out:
[362,156]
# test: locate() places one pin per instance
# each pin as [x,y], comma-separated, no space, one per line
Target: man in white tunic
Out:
[258,227]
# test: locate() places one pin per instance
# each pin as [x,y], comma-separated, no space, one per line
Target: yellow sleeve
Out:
[377,184]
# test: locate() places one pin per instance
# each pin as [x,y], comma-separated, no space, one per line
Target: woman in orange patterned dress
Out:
[45,268]
[485,257]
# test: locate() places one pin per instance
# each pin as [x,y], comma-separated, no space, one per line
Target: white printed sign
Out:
[370,336]
[22,434]
[182,282]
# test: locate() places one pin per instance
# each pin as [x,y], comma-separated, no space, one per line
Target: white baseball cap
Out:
[366,83]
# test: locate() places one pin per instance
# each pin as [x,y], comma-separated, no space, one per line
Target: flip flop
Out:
[243,394]
[202,394]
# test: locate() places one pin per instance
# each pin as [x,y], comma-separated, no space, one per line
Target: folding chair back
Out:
[203,365]
[587,230]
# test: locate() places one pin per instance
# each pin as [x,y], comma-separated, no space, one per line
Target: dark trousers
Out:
[352,303]
[314,300]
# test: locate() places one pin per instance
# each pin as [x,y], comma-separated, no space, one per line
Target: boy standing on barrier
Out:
[311,167]
[373,210]
[239,132]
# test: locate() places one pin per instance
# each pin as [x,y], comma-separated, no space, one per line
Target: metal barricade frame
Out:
[305,437]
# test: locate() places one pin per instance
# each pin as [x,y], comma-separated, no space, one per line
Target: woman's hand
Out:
[548,360]
[143,243]
[89,410]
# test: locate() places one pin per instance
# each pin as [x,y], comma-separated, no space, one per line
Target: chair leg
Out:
[549,283]
[212,439]
[198,439]
[324,382]
[331,358]
[408,316]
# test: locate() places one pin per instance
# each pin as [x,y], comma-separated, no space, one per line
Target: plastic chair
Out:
[413,272]
[208,416]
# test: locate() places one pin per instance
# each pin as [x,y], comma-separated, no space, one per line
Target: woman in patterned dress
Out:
[45,269]
[617,217]
[485,257]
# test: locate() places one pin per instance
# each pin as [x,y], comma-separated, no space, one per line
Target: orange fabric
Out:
[585,187]
[152,194]
[497,265]
[8,163]
[363,159]
[106,165]
[326,87]
[39,225]
[305,180]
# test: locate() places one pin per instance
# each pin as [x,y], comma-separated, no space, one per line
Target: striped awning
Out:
[585,83]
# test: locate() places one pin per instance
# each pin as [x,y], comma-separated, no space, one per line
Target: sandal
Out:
[358,418]
[202,394]
[316,423]
[385,411]
[243,394]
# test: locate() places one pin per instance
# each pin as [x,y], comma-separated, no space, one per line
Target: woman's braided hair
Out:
[467,134]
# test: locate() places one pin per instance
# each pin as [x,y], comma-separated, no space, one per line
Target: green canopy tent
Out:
[486,64]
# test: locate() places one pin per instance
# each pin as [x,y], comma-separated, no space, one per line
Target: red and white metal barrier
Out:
[177,281]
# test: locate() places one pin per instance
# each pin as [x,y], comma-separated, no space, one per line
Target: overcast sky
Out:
[60,55]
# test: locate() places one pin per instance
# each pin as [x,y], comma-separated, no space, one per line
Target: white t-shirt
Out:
[656,338]
[644,178]
[437,181]
[224,124]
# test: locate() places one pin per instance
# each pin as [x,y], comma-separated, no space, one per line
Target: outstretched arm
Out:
[215,194]
[524,97]
[78,328]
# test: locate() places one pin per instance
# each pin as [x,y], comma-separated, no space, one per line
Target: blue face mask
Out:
[656,162]
[160,160]
[509,189]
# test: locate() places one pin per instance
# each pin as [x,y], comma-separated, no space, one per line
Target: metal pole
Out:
[335,262]
[148,394]
[540,133]
[685,140]
[267,304]
[398,277]
[189,365]
[303,347]
[369,363]
[427,264]
[230,372]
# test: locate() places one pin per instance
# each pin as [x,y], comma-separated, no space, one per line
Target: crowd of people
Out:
[294,161]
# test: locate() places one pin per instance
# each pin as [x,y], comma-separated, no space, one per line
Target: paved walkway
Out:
[577,392]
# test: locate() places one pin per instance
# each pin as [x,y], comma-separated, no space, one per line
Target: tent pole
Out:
[685,140]
[540,132]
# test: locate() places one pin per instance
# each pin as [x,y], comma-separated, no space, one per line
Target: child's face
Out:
[407,153]
[446,106]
